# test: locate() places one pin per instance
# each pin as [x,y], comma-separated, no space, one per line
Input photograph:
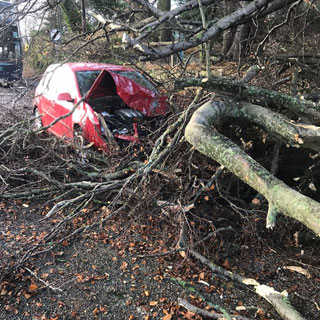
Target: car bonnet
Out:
[133,94]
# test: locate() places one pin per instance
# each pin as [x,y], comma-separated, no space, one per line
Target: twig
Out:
[193,290]
[205,313]
[278,300]
[44,282]
[209,183]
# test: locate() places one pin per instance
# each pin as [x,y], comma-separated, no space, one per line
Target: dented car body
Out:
[117,99]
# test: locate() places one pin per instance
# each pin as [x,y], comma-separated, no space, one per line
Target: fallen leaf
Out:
[167,317]
[260,312]
[255,201]
[33,287]
[241,308]
[226,264]
[299,270]
[95,311]
[3,292]
[153,303]
[80,278]
[124,265]
[27,295]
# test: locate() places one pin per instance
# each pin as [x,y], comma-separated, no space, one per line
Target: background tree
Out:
[165,34]
[72,15]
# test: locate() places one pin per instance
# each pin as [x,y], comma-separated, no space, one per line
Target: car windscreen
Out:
[86,79]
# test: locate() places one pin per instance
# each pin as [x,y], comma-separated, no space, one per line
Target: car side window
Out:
[44,82]
[65,82]
[55,81]
[46,85]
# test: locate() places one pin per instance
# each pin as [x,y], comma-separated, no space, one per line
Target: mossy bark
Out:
[247,92]
[205,138]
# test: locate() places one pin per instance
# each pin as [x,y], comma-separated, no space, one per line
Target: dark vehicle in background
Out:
[10,44]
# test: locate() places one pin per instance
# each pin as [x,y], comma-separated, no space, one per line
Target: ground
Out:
[128,268]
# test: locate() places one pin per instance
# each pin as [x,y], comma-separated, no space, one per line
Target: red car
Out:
[118,100]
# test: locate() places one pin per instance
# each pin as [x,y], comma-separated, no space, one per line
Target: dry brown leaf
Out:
[226,264]
[33,287]
[65,243]
[167,317]
[255,201]
[27,295]
[3,292]
[95,311]
[124,265]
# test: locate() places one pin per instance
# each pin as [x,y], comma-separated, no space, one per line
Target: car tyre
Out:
[37,122]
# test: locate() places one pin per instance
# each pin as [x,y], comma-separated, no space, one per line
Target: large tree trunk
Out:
[209,141]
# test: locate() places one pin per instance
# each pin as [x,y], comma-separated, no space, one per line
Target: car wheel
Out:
[37,122]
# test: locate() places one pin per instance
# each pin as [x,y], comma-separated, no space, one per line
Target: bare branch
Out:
[238,17]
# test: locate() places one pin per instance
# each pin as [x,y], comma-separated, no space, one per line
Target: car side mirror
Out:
[65,97]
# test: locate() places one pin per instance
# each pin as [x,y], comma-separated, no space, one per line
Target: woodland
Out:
[216,214]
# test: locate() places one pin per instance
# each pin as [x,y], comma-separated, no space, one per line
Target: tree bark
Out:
[165,32]
[281,197]
[248,92]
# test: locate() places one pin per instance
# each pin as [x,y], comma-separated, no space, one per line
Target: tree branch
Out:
[240,16]
[281,197]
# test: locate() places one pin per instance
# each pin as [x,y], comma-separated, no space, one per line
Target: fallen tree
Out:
[209,141]
[247,92]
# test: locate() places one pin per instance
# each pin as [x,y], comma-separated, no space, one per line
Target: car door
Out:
[62,82]
[43,97]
